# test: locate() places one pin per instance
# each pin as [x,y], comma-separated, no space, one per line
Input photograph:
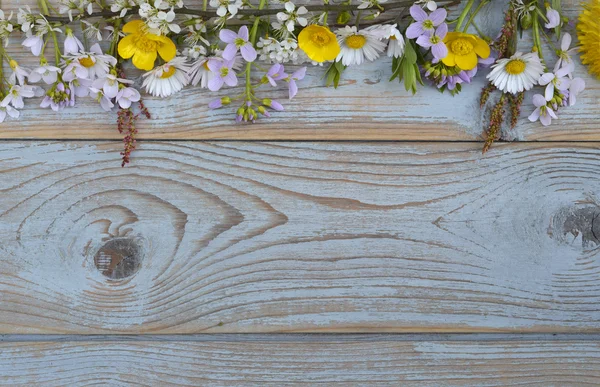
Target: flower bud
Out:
[343,17]
[526,21]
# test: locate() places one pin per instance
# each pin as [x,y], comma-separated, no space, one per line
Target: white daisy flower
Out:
[200,73]
[518,73]
[167,79]
[358,45]
[396,40]
[96,63]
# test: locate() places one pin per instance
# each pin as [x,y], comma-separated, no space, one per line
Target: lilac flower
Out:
[576,87]
[104,100]
[35,44]
[296,76]
[46,72]
[564,54]
[58,97]
[558,80]
[235,42]
[275,73]
[217,103]
[223,72]
[553,18]
[542,112]
[19,73]
[8,110]
[109,85]
[15,96]
[272,104]
[424,24]
[72,45]
[74,70]
[435,41]
[126,96]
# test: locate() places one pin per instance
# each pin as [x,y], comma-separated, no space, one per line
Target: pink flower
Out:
[235,42]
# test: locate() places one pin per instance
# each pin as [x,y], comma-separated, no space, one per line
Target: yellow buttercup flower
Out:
[588,30]
[463,50]
[319,43]
[143,46]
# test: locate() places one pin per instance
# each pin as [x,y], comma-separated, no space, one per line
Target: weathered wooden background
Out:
[440,265]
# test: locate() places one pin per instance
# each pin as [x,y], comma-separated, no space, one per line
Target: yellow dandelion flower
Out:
[463,50]
[143,46]
[588,30]
[319,43]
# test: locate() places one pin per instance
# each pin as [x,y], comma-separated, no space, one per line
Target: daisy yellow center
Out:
[205,65]
[515,67]
[393,37]
[461,47]
[320,38]
[356,41]
[86,62]
[588,29]
[428,25]
[168,73]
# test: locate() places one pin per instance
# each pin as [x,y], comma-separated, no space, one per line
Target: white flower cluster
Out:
[160,16]
[6,27]
[284,51]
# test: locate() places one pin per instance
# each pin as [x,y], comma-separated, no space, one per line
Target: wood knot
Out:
[578,222]
[119,258]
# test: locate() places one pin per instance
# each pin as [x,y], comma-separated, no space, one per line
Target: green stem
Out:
[253,33]
[85,39]
[204,5]
[536,38]
[115,40]
[474,13]
[2,55]
[56,49]
[463,15]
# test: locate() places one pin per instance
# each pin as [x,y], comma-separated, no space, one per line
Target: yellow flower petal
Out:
[126,47]
[167,49]
[134,27]
[319,43]
[467,62]
[144,60]
[449,60]
[482,48]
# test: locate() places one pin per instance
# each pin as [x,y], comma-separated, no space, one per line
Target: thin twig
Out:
[243,12]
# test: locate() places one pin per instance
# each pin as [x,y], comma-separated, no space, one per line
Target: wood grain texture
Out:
[365,107]
[283,237]
[332,361]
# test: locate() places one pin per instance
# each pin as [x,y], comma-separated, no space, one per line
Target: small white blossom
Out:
[370,3]
[46,72]
[287,20]
[19,73]
[225,7]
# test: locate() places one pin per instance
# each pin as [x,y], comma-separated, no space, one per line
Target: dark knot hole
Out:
[118,258]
